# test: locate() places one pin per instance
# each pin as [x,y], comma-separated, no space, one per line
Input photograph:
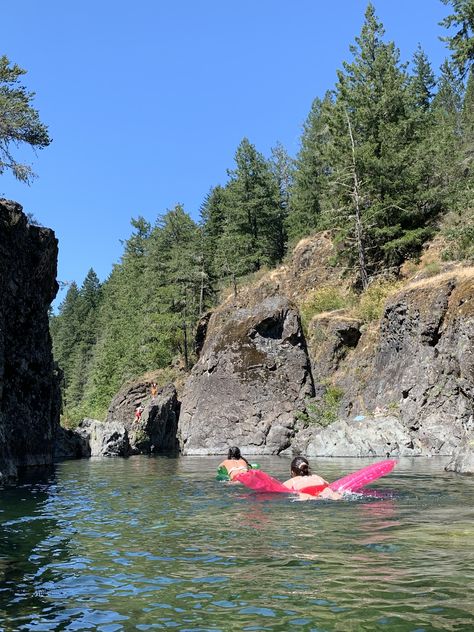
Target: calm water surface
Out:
[156,543]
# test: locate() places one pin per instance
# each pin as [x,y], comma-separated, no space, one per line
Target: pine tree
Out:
[423,81]
[175,272]
[253,218]
[373,197]
[213,217]
[19,121]
[120,352]
[282,168]
[311,170]
[462,42]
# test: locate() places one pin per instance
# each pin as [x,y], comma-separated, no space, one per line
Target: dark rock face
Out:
[70,444]
[29,384]
[331,339]
[156,430]
[252,374]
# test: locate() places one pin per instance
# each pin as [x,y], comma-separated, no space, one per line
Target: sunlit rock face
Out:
[155,431]
[408,382]
[462,460]
[29,384]
[252,375]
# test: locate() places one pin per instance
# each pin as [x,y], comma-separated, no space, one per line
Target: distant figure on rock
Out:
[235,463]
[154,389]
[301,477]
[138,413]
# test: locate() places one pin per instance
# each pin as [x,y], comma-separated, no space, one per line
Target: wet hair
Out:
[234,454]
[300,466]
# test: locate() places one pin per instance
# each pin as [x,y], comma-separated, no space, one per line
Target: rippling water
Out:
[156,543]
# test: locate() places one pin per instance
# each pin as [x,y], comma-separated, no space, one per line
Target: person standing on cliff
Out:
[138,413]
[153,389]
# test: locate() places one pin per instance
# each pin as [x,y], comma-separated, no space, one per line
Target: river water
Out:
[156,543]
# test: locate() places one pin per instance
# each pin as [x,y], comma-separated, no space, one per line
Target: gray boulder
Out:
[359,437]
[252,374]
[104,439]
[463,458]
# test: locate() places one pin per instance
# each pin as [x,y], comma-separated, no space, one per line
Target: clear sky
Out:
[146,101]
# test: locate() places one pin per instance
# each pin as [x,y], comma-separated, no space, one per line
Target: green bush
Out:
[325,299]
[372,301]
[323,412]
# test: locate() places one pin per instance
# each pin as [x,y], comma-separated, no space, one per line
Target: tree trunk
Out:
[359,228]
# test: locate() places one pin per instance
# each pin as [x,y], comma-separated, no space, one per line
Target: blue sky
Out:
[147,101]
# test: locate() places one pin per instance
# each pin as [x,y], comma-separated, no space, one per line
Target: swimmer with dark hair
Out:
[235,463]
[301,477]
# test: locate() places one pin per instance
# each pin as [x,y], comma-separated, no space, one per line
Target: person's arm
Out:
[329,494]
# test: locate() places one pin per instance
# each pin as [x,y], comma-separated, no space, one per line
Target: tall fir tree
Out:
[374,198]
[310,175]
[253,217]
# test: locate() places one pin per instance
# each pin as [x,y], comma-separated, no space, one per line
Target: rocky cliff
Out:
[408,384]
[29,393]
[405,382]
[252,375]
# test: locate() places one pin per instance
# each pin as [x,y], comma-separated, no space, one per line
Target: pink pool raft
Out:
[261,482]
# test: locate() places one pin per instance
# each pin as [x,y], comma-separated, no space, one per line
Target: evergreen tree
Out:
[462,42]
[65,333]
[282,167]
[423,81]
[19,121]
[87,311]
[120,352]
[253,218]
[175,272]
[374,198]
[213,217]
[311,172]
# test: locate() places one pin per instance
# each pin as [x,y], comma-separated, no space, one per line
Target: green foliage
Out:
[377,194]
[372,302]
[325,299]
[432,269]
[19,121]
[462,42]
[323,412]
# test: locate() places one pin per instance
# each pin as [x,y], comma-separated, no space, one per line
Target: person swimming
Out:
[235,463]
[301,477]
